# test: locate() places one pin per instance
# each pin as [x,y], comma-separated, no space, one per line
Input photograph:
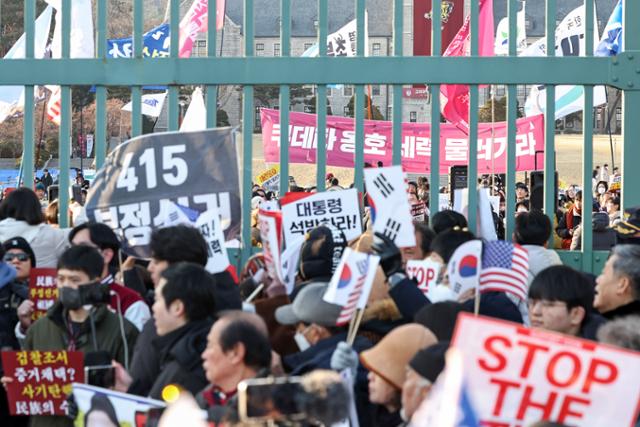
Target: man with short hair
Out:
[532,231]
[47,179]
[522,192]
[19,255]
[73,326]
[618,286]
[124,300]
[237,349]
[561,300]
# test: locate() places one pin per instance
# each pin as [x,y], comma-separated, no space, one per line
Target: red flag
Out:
[54,106]
[195,21]
[455,98]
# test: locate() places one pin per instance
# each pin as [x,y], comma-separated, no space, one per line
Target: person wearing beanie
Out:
[387,363]
[14,296]
[440,318]
[422,372]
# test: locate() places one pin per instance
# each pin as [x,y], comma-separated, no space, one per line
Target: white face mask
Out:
[301,341]
[601,190]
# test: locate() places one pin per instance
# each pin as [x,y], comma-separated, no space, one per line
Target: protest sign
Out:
[269,179]
[127,408]
[209,225]
[270,226]
[41,380]
[464,267]
[143,176]
[339,208]
[290,259]
[425,272]
[155,44]
[351,283]
[517,376]
[416,143]
[418,211]
[389,207]
[43,290]
[443,201]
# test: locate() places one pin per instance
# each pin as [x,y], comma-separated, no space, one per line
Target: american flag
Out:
[505,268]
[352,303]
[54,105]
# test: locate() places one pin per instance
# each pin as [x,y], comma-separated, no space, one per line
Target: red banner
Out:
[41,380]
[43,290]
[451,20]
[416,143]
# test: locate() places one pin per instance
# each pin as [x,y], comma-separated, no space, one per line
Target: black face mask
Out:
[92,293]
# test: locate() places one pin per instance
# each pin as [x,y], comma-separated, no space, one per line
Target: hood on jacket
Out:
[540,258]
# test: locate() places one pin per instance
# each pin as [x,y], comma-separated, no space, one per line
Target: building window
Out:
[618,117]
[522,91]
[347,90]
[345,111]
[413,116]
[500,91]
[389,112]
[259,49]
[257,124]
[307,46]
[376,49]
[328,91]
[375,90]
[599,123]
[276,49]
[201,48]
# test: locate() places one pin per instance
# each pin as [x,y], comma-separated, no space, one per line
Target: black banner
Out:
[134,190]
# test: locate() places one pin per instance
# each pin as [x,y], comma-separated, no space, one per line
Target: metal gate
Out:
[622,72]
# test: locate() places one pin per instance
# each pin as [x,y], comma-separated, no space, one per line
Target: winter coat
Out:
[145,364]
[409,300]
[604,238]
[51,332]
[180,358]
[590,326]
[631,309]
[539,259]
[568,222]
[12,293]
[48,243]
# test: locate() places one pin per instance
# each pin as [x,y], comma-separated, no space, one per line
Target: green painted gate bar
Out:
[622,72]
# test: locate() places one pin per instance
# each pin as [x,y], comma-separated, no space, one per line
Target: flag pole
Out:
[353,330]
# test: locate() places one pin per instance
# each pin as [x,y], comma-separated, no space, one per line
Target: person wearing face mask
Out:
[73,324]
[599,196]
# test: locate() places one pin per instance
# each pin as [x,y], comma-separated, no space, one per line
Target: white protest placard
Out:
[425,272]
[443,202]
[209,225]
[290,259]
[464,267]
[517,376]
[125,407]
[419,211]
[270,231]
[390,209]
[339,208]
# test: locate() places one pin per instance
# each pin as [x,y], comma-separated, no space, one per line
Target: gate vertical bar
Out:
[27,135]
[321,101]
[436,48]
[550,124]
[174,106]
[64,143]
[397,89]
[285,49]
[587,150]
[100,140]
[630,108]
[359,101]
[473,126]
[512,115]
[211,96]
[247,136]
[136,91]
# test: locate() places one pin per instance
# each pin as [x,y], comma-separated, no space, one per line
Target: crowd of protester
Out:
[168,322]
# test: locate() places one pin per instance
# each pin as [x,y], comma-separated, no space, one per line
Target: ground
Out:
[568,160]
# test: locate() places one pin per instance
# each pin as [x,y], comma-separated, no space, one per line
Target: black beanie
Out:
[23,245]
[321,252]
[429,362]
[440,318]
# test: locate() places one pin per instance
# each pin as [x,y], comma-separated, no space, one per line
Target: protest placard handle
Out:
[354,325]
[254,293]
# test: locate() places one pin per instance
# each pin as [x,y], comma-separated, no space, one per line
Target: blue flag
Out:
[611,43]
[155,44]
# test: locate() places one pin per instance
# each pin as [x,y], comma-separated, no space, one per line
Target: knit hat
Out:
[23,245]
[40,186]
[440,318]
[429,362]
[390,357]
[321,252]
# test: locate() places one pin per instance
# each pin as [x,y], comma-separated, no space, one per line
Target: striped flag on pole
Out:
[54,105]
[505,268]
[351,283]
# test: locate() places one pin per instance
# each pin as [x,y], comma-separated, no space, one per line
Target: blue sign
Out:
[155,44]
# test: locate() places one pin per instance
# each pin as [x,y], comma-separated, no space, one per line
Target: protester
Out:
[569,221]
[13,293]
[603,237]
[21,257]
[47,179]
[21,215]
[74,324]
[561,300]
[444,220]
[532,231]
[522,192]
[422,249]
[613,210]
[618,286]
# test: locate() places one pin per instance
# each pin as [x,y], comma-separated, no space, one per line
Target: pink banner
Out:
[416,143]
[195,22]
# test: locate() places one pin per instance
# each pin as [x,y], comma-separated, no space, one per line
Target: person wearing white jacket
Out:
[532,231]
[21,216]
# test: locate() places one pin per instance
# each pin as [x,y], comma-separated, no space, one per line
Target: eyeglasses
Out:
[20,257]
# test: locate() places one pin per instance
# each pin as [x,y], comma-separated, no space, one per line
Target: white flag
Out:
[209,225]
[196,116]
[151,104]
[344,41]
[501,46]
[290,258]
[12,97]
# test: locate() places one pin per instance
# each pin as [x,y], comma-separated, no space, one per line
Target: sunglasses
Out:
[19,257]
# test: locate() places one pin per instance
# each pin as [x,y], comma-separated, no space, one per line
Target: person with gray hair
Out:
[623,332]
[618,286]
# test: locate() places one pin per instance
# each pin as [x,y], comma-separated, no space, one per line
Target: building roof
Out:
[304,15]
